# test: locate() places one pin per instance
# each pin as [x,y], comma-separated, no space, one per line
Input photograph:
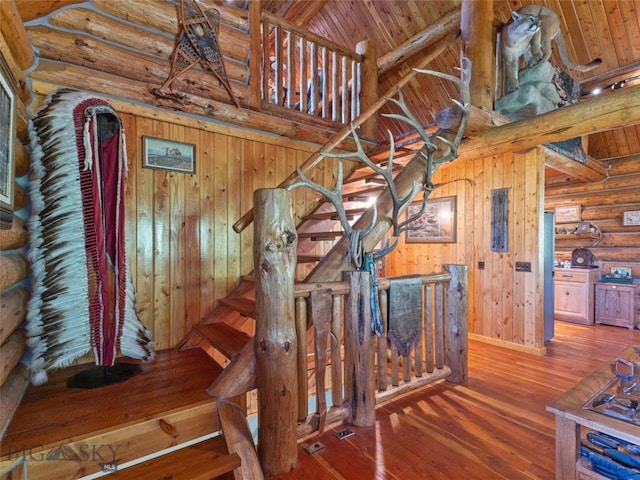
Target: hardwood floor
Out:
[494,427]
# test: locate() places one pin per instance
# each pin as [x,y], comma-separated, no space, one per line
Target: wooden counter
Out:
[571,417]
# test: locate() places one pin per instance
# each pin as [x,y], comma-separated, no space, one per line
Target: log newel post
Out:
[456,323]
[359,344]
[274,254]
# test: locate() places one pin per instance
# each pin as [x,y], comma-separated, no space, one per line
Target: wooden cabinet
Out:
[574,294]
[617,304]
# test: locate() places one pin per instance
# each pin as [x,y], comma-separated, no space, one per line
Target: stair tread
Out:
[201,461]
[309,257]
[319,234]
[244,306]
[228,340]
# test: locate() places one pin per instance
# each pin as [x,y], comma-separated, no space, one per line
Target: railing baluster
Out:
[344,96]
[324,79]
[302,87]
[291,67]
[395,361]
[311,92]
[337,395]
[278,87]
[383,343]
[301,331]
[267,74]
[428,327]
[335,67]
[355,89]
[439,325]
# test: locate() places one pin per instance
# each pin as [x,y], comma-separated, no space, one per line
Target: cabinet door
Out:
[615,305]
[570,302]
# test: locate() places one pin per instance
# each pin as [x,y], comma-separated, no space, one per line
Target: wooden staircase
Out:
[224,332]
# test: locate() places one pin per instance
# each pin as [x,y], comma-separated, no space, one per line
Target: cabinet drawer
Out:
[571,276]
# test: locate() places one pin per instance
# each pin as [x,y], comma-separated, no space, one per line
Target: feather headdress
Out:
[82,294]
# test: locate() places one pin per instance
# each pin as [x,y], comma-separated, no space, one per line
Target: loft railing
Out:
[337,363]
[305,72]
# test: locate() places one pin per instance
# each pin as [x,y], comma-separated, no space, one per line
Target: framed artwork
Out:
[169,155]
[584,227]
[436,225]
[631,218]
[568,213]
[7,155]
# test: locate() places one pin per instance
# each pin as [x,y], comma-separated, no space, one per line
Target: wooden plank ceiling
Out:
[609,29]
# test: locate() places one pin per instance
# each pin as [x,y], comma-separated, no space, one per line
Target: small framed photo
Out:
[436,225]
[568,213]
[631,218]
[621,272]
[169,155]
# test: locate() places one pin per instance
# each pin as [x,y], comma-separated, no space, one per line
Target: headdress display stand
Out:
[83,296]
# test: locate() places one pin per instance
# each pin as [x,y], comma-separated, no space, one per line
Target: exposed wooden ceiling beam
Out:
[620,108]
[435,32]
[592,171]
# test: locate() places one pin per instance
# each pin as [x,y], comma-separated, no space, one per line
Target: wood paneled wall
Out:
[602,204]
[184,254]
[505,306]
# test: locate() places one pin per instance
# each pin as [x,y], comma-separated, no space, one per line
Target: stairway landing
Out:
[67,433]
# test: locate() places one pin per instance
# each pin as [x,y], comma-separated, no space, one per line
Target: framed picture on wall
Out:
[436,225]
[568,213]
[169,155]
[7,158]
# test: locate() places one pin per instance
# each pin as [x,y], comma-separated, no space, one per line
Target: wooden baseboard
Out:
[510,345]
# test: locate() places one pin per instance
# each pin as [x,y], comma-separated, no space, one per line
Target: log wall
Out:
[14,268]
[602,204]
[505,307]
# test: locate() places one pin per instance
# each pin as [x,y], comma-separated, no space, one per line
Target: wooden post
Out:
[359,346]
[478,39]
[255,69]
[456,326]
[368,86]
[274,255]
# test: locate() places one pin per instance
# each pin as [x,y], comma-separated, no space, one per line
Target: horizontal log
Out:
[612,183]
[625,254]
[592,171]
[13,269]
[33,9]
[615,226]
[22,88]
[232,43]
[620,240]
[49,76]
[598,212]
[20,196]
[443,26]
[22,160]
[623,166]
[10,353]
[11,393]
[22,129]
[620,108]
[13,309]
[15,237]
[164,15]
[80,49]
[12,30]
[630,195]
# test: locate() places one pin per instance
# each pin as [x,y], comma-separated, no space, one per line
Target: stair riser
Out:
[115,447]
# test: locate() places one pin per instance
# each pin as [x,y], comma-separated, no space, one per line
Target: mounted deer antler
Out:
[355,236]
[428,151]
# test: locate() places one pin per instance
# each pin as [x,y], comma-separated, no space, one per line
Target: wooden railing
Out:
[305,72]
[341,355]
